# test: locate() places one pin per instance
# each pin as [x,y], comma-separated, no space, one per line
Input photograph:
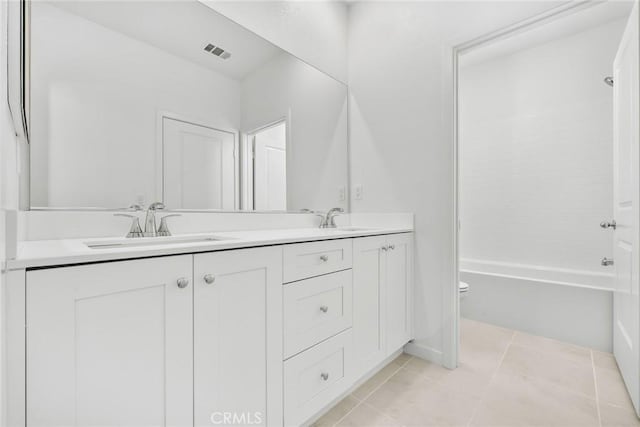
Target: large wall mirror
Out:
[136,102]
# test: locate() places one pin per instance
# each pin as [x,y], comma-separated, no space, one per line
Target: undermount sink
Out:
[355,229]
[150,241]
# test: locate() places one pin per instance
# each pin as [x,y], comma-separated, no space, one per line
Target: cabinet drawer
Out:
[316,377]
[315,258]
[316,309]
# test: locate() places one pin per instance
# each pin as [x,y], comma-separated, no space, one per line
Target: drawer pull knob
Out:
[209,278]
[324,309]
[392,247]
[324,258]
[385,248]
[183,282]
[324,376]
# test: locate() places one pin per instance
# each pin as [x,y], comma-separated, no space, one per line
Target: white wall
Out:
[536,155]
[314,31]
[95,106]
[316,111]
[8,194]
[400,74]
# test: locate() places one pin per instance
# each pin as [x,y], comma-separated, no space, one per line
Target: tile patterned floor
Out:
[505,378]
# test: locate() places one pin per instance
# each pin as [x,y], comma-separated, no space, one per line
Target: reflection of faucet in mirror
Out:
[328,221]
[150,229]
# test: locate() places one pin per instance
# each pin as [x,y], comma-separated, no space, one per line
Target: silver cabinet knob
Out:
[209,278]
[606,262]
[324,258]
[392,247]
[324,376]
[385,248]
[324,309]
[607,224]
[183,282]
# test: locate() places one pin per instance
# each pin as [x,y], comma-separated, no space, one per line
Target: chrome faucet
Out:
[328,220]
[150,229]
[135,230]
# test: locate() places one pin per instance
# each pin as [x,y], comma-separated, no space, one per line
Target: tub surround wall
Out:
[536,180]
[536,155]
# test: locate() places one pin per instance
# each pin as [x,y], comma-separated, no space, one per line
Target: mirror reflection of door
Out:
[199,166]
[270,168]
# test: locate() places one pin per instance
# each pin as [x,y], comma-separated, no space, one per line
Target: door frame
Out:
[159,153]
[451,310]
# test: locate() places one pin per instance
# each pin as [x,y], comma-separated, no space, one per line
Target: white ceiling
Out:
[182,28]
[598,14]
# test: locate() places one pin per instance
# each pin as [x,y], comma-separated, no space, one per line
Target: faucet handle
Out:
[330,221]
[156,206]
[323,219]
[135,207]
[163,228]
[135,230]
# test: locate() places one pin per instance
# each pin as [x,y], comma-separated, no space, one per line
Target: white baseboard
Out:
[424,352]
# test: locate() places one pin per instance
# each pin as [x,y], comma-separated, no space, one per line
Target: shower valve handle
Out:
[606,262]
[608,224]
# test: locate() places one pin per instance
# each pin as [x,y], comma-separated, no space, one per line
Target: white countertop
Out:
[47,253]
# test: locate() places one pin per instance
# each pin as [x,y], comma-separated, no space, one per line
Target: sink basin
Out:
[150,241]
[354,229]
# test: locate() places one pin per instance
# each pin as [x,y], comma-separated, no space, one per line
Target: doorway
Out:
[535,180]
[267,168]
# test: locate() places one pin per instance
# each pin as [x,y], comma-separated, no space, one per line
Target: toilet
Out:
[464,288]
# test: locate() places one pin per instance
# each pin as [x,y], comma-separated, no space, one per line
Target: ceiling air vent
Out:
[217,51]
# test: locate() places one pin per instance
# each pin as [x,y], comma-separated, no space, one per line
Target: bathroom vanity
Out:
[269,327]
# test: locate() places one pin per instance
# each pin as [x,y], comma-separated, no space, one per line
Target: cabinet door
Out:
[110,344]
[369,270]
[238,337]
[399,291]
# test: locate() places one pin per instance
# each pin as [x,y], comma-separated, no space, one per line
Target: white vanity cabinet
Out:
[382,297]
[110,344]
[238,337]
[399,291]
[265,336]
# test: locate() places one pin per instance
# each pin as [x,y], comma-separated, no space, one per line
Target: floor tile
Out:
[367,416]
[513,400]
[402,359]
[374,382]
[615,416]
[505,378]
[337,412]
[482,346]
[604,360]
[557,348]
[464,377]
[415,400]
[611,388]
[553,368]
